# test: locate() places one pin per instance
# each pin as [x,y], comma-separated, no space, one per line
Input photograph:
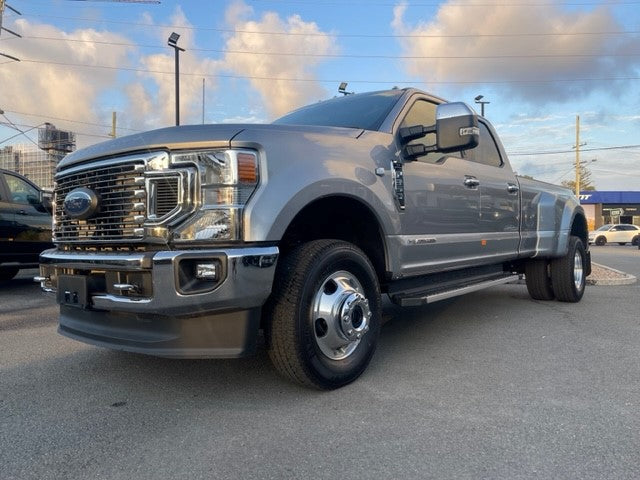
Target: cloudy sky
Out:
[539,62]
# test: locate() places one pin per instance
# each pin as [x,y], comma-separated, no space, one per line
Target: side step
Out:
[415,299]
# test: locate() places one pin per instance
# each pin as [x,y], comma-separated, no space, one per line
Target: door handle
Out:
[512,188]
[22,212]
[471,182]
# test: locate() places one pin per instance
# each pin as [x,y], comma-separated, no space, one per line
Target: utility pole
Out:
[577,147]
[203,101]
[578,156]
[2,5]
[113,125]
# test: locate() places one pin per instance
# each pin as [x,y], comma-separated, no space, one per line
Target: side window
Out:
[21,191]
[423,113]
[486,152]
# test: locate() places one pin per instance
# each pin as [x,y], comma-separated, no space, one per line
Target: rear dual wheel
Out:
[568,273]
[563,278]
[324,315]
[538,278]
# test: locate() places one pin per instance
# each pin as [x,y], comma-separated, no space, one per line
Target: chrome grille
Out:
[122,198]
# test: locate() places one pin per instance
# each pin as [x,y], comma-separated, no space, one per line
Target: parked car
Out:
[25,223]
[619,232]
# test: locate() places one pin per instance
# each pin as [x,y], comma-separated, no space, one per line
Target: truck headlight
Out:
[227,179]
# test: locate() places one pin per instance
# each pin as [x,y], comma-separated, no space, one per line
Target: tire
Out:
[7,273]
[568,273]
[634,240]
[324,314]
[600,241]
[536,274]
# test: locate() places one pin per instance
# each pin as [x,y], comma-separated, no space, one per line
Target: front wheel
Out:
[600,241]
[324,315]
[568,273]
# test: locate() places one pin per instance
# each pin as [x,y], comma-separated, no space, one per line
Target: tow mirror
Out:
[456,129]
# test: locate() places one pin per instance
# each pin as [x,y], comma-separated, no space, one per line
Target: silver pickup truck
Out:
[189,241]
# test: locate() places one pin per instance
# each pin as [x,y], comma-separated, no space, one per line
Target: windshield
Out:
[364,110]
[603,228]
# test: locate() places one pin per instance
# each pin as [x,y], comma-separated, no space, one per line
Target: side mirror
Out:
[46,201]
[456,129]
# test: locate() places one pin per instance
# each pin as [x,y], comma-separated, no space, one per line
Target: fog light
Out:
[207,272]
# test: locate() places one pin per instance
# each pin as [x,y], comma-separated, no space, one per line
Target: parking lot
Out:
[489,385]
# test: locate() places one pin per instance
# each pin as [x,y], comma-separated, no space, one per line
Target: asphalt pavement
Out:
[491,385]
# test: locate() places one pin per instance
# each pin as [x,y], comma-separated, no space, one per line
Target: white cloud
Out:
[268,71]
[479,28]
[41,84]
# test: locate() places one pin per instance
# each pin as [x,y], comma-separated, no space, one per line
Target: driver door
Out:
[441,219]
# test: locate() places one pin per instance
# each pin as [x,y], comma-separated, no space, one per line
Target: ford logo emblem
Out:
[81,203]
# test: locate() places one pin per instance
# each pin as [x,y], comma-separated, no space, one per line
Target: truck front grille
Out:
[120,187]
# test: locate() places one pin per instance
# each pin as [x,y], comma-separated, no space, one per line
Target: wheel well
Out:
[340,218]
[579,229]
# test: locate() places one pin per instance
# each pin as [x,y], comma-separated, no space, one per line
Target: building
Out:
[610,207]
[28,160]
[38,162]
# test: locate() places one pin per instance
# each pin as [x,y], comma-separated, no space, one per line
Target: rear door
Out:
[499,197]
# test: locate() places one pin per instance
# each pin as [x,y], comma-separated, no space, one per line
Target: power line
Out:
[337,55]
[556,152]
[452,4]
[72,121]
[15,127]
[390,82]
[343,35]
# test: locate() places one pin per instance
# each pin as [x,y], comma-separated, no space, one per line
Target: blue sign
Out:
[617,198]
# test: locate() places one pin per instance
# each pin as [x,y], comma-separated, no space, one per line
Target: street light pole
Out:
[173,43]
[482,103]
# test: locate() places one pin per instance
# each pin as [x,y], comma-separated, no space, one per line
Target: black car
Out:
[25,223]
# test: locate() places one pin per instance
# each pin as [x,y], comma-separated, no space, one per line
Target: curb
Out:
[623,279]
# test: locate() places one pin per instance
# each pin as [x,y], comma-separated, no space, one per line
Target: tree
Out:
[586,183]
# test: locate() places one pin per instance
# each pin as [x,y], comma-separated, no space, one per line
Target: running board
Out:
[425,298]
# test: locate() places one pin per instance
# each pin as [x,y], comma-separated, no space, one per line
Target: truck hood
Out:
[189,136]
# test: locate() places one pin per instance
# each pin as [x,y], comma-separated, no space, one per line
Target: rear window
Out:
[364,110]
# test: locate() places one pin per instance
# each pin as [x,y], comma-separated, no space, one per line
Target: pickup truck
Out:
[189,241]
[25,223]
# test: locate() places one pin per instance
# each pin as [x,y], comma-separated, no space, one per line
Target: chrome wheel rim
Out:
[340,315]
[578,271]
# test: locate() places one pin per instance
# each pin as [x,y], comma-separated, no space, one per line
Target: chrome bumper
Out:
[221,321]
[247,283]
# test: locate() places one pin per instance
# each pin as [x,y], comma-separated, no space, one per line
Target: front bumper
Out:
[162,311]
